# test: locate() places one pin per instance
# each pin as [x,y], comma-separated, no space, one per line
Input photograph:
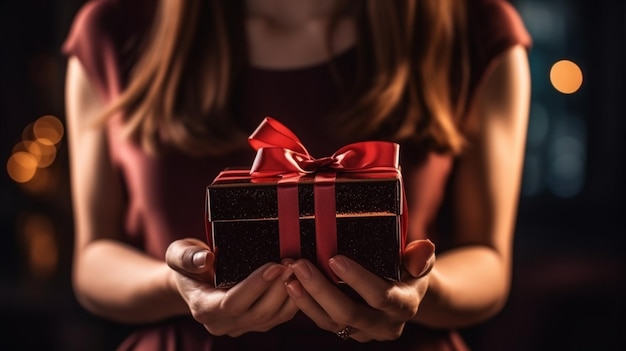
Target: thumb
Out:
[190,256]
[419,257]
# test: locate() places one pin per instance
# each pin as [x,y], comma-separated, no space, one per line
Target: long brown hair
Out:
[412,75]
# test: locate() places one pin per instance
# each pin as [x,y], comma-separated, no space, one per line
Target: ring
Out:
[344,334]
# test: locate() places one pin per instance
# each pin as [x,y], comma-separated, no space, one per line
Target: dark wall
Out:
[37,308]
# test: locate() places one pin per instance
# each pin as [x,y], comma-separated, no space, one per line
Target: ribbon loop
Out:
[271,133]
[280,152]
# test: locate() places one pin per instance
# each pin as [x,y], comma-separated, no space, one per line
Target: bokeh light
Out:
[40,245]
[566,157]
[48,130]
[35,152]
[566,76]
[22,166]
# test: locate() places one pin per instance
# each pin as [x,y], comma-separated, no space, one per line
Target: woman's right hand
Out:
[257,303]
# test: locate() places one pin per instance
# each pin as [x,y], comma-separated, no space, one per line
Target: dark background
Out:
[569,278]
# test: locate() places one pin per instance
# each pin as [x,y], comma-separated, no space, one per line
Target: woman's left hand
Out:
[389,305]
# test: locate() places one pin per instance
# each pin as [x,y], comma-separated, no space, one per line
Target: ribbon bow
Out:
[280,152]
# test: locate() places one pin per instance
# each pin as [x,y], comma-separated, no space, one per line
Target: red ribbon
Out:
[281,154]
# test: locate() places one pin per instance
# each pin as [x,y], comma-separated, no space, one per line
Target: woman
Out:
[160,98]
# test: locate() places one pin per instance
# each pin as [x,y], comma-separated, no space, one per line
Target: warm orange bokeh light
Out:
[22,166]
[38,149]
[41,149]
[48,130]
[566,76]
[40,245]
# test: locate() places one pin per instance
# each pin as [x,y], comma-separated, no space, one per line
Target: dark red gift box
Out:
[290,205]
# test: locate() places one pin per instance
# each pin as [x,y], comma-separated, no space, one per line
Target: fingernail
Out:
[302,270]
[199,258]
[428,250]
[272,272]
[294,288]
[427,267]
[419,257]
[338,265]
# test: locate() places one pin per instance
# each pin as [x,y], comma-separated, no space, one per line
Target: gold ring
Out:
[344,334]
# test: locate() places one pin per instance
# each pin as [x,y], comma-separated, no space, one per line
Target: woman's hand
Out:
[258,303]
[389,305]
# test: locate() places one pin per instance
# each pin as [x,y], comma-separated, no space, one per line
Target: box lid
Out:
[239,197]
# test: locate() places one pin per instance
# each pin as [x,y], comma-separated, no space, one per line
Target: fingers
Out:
[261,291]
[324,302]
[388,304]
[419,257]
[190,256]
[356,276]
[263,300]
[257,303]
[398,300]
[323,319]
[309,306]
[283,314]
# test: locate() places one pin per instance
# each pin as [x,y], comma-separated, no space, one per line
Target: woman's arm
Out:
[471,282]
[116,281]
[110,279]
[468,283]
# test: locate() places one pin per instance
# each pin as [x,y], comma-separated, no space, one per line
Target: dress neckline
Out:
[339,57]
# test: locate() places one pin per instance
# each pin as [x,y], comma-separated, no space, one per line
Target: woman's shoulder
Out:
[104,35]
[112,20]
[94,20]
[496,25]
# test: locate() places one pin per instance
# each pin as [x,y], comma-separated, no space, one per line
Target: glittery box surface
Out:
[243,223]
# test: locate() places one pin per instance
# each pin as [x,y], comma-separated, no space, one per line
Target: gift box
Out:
[291,205]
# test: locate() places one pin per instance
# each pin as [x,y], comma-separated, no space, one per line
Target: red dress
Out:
[165,195]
